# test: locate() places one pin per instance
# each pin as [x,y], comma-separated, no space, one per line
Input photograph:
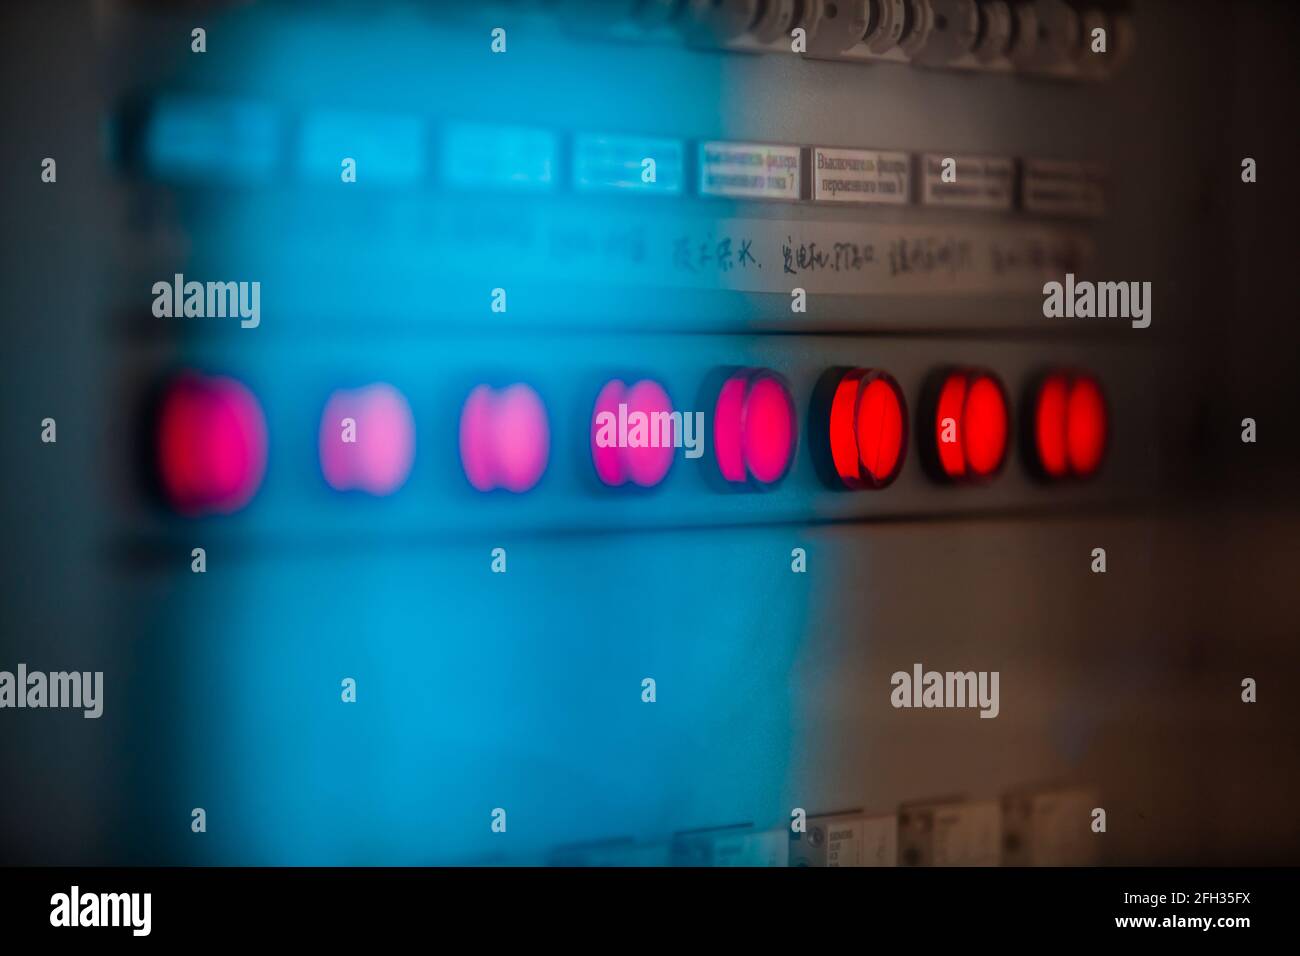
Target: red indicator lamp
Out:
[755,428]
[367,439]
[210,444]
[505,438]
[1070,426]
[628,442]
[970,423]
[867,428]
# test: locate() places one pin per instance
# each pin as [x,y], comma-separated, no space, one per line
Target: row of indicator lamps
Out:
[211,438]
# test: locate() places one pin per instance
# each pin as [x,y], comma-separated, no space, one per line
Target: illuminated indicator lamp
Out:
[754,428]
[1049,426]
[210,444]
[1070,426]
[970,419]
[1087,426]
[628,439]
[367,439]
[867,428]
[505,438]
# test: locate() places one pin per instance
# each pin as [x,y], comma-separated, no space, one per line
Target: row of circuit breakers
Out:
[210,433]
[1052,827]
[1046,37]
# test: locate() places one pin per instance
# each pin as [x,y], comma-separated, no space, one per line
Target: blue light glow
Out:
[388,150]
[470,695]
[482,156]
[192,138]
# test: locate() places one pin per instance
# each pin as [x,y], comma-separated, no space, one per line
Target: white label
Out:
[1061,188]
[843,841]
[969,834]
[978,182]
[772,255]
[860,176]
[754,170]
[1061,827]
[482,157]
[878,845]
[764,848]
[1002,257]
[627,164]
